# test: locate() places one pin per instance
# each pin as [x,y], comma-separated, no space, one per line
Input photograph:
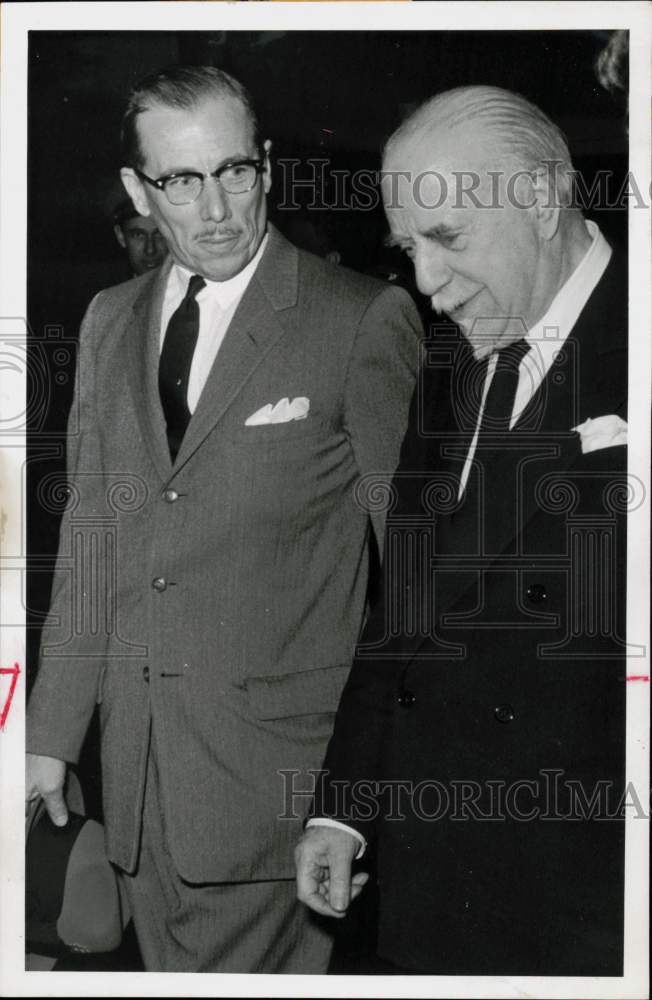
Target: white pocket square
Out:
[602,432]
[281,413]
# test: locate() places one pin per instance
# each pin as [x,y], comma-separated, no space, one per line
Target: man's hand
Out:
[323,859]
[44,778]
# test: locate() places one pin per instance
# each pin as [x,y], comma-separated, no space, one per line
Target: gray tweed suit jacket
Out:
[213,604]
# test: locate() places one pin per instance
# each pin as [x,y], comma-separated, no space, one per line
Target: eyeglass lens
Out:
[235,179]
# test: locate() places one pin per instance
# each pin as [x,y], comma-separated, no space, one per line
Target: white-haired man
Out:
[479,743]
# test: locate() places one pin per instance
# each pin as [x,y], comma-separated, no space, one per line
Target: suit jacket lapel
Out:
[144,350]
[594,357]
[576,387]
[253,332]
[498,496]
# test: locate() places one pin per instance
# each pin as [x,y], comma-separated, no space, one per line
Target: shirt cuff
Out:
[324,821]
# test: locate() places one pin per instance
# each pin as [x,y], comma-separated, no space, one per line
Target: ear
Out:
[267,172]
[546,203]
[119,235]
[136,190]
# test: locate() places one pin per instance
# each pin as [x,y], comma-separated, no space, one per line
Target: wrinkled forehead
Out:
[441,145]
[435,163]
[218,117]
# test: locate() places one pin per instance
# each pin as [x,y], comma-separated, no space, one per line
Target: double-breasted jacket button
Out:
[406,699]
[146,674]
[159,583]
[170,495]
[504,713]
[536,593]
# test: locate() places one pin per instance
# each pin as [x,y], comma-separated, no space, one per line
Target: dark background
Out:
[328,94]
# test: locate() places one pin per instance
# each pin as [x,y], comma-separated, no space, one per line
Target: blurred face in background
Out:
[145,246]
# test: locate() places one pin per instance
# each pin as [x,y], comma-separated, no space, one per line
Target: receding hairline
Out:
[436,136]
[489,109]
[156,105]
[183,89]
[151,102]
[514,133]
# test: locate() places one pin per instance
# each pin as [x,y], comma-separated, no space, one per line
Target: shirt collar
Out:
[547,337]
[554,327]
[224,293]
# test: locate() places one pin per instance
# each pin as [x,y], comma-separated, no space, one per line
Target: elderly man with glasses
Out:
[213,568]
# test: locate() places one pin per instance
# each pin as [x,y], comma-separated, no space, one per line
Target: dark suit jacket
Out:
[490,677]
[218,600]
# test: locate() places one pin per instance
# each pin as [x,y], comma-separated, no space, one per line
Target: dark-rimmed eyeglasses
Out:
[236,177]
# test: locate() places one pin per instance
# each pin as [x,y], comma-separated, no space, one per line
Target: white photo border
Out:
[17,20]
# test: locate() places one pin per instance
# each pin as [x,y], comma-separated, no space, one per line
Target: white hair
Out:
[521,129]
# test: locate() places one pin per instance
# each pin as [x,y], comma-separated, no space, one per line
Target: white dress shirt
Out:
[217,302]
[547,338]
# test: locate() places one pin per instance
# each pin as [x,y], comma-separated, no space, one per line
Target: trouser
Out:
[216,927]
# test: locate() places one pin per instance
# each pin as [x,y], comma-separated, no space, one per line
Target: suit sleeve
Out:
[379,386]
[66,686]
[351,788]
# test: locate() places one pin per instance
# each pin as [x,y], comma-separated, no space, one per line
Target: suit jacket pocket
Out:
[307,692]
[271,434]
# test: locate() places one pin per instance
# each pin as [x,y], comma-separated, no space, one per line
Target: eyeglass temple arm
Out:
[160,183]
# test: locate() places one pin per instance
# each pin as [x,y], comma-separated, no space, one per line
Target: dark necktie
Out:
[502,391]
[174,366]
[495,455]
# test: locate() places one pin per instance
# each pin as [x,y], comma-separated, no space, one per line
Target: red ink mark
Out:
[14,671]
[638,677]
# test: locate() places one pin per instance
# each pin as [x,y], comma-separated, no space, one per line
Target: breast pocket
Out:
[270,436]
[304,445]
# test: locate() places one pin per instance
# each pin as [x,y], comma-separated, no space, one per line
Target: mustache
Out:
[445,307]
[217,234]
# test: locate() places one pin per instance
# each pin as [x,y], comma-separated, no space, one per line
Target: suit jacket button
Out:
[170,496]
[504,713]
[159,583]
[536,593]
[146,674]
[406,699]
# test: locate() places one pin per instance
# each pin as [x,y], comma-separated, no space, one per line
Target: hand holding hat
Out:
[74,901]
[44,779]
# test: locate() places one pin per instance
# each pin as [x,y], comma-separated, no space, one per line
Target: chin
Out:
[222,266]
[481,344]
[223,273]
[481,351]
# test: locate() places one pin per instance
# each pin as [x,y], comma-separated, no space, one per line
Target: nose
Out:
[431,269]
[151,247]
[214,203]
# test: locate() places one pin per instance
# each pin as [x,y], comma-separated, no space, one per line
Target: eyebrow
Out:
[391,240]
[236,158]
[434,232]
